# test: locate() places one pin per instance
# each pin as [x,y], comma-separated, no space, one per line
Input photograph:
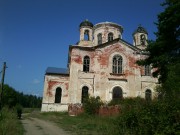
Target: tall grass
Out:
[9,123]
[137,117]
[82,124]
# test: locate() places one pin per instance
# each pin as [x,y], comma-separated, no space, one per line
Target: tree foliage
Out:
[11,98]
[165,50]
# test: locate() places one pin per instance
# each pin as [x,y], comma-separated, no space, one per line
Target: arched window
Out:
[58,95]
[84,93]
[110,36]
[148,95]
[117,64]
[86,35]
[147,70]
[99,36]
[143,39]
[86,63]
[117,93]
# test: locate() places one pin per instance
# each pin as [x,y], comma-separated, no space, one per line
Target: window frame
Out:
[86,63]
[147,70]
[117,63]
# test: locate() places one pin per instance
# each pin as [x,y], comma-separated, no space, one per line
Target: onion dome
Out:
[86,23]
[140,29]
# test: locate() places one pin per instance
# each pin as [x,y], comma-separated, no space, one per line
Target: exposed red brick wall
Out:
[76,109]
[109,110]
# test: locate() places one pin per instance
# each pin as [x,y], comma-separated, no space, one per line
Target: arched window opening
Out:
[86,35]
[58,95]
[117,64]
[147,70]
[86,63]
[117,93]
[110,36]
[84,93]
[99,36]
[148,95]
[143,39]
[119,36]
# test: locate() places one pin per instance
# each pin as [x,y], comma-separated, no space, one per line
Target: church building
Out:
[100,64]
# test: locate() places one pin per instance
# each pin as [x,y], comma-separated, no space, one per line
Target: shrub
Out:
[92,105]
[9,124]
[156,117]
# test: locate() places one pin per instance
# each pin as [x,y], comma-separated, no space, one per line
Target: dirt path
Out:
[35,126]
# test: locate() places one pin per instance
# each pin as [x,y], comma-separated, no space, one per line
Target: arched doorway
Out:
[117,93]
[58,95]
[84,93]
[148,95]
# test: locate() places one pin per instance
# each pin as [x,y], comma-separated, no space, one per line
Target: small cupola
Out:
[140,36]
[86,30]
[140,29]
[86,23]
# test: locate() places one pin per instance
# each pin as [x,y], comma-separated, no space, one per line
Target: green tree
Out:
[165,50]
[11,98]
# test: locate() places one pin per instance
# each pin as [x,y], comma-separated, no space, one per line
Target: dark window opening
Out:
[86,64]
[58,95]
[143,39]
[99,36]
[148,95]
[84,93]
[117,93]
[117,64]
[86,35]
[110,36]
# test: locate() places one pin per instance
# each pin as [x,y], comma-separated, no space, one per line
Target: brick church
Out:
[100,64]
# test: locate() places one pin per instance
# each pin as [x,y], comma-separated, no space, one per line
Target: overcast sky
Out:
[36,34]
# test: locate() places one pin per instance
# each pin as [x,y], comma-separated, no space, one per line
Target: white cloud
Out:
[36,81]
[19,66]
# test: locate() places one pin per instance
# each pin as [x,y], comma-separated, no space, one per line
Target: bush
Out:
[92,105]
[9,124]
[151,118]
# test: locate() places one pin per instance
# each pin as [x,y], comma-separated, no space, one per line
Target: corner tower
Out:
[86,33]
[140,37]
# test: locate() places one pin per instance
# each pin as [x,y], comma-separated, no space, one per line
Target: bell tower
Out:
[86,33]
[140,37]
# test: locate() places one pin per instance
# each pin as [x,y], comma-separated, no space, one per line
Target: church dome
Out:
[86,23]
[140,29]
